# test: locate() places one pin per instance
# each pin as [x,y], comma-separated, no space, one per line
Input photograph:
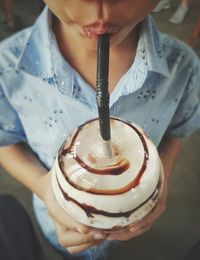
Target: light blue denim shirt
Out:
[42,98]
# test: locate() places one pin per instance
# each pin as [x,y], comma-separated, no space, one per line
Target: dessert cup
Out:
[108,193]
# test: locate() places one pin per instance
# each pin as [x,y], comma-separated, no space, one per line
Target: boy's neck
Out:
[82,57]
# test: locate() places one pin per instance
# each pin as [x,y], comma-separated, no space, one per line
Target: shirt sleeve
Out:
[11,130]
[187,117]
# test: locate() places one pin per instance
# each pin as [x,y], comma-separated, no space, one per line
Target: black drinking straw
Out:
[102,93]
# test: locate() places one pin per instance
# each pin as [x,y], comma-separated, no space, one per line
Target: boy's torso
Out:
[51,98]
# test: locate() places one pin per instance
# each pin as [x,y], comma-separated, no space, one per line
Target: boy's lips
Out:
[92,31]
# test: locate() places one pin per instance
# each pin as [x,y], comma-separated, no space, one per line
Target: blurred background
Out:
[179,227]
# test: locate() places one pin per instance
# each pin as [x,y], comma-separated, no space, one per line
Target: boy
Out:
[48,88]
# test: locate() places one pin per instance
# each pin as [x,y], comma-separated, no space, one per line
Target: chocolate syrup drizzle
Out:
[116,169]
[90,210]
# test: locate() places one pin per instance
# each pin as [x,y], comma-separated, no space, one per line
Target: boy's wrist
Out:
[168,151]
[40,185]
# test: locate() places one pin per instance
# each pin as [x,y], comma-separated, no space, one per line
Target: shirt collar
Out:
[41,56]
[36,56]
[149,58]
[151,46]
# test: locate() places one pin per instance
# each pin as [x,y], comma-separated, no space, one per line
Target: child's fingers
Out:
[80,248]
[65,220]
[68,238]
[129,234]
[143,225]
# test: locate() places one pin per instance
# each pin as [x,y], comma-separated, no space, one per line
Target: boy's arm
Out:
[168,150]
[22,164]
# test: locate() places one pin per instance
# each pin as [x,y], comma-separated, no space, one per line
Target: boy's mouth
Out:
[93,30]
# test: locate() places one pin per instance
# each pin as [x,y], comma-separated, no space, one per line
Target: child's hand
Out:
[74,241]
[168,151]
[145,224]
[71,234]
